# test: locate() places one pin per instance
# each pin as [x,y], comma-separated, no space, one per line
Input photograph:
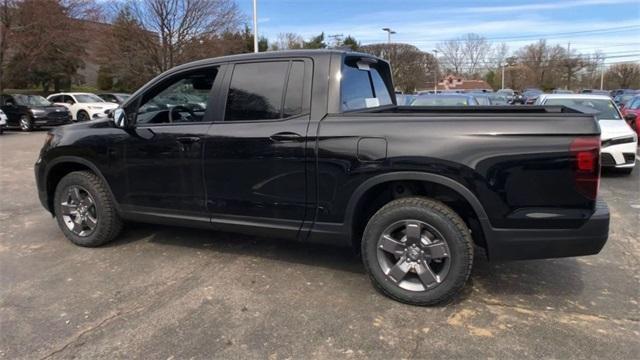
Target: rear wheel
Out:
[417,251]
[26,123]
[85,210]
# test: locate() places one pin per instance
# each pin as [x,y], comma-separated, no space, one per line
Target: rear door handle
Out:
[286,136]
[188,139]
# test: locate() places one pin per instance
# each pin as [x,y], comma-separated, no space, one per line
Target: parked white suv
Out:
[619,141]
[3,121]
[83,106]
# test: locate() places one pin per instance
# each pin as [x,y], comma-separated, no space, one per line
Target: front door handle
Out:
[188,139]
[286,136]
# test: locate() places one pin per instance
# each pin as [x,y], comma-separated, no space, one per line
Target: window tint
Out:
[180,99]
[635,104]
[362,89]
[256,90]
[295,88]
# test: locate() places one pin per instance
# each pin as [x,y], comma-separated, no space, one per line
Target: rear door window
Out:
[256,91]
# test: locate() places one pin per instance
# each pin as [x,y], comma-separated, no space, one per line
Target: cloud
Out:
[566,4]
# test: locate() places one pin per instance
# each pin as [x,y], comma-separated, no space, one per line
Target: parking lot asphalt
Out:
[173,293]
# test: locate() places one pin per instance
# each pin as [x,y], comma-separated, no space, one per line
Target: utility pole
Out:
[389,32]
[337,39]
[602,75]
[255,26]
[569,65]
[503,66]
[435,72]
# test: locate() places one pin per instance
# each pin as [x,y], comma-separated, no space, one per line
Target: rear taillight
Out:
[585,156]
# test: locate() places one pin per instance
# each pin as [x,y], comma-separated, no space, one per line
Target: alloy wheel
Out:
[25,123]
[414,255]
[79,211]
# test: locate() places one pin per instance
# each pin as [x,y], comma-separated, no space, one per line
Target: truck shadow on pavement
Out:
[539,278]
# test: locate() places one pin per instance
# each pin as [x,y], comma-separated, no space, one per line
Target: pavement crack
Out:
[567,312]
[88,330]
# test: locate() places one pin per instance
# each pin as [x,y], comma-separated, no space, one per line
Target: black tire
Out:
[82,116]
[108,224]
[436,218]
[25,123]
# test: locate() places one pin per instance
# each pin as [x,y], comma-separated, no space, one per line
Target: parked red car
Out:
[633,107]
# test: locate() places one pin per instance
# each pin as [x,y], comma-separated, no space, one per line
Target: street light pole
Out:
[389,32]
[435,73]
[255,26]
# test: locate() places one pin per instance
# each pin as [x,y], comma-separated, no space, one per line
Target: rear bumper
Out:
[521,244]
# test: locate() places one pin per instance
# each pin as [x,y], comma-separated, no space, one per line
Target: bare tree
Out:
[178,22]
[7,11]
[453,56]
[498,56]
[286,41]
[46,44]
[590,76]
[623,75]
[476,49]
[545,63]
[572,63]
[411,68]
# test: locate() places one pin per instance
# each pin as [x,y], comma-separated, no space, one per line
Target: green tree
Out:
[351,42]
[105,78]
[316,42]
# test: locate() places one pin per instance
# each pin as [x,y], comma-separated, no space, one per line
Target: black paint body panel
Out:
[511,164]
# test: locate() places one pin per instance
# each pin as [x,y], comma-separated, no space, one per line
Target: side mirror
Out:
[630,117]
[119,118]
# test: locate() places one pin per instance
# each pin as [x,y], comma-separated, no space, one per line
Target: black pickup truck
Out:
[310,146]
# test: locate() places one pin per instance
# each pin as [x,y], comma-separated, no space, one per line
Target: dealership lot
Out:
[165,292]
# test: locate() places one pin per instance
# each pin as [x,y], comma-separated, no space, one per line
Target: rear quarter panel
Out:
[519,167]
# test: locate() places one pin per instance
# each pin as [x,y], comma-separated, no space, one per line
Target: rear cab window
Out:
[362,85]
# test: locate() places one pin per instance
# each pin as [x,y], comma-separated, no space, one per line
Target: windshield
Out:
[606,108]
[483,100]
[31,100]
[442,101]
[88,98]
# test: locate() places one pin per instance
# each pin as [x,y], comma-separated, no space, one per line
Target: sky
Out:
[611,26]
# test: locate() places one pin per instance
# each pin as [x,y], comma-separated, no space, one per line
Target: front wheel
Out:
[417,251]
[85,211]
[25,123]
[82,116]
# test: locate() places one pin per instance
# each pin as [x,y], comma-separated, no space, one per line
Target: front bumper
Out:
[619,156]
[38,169]
[51,121]
[521,244]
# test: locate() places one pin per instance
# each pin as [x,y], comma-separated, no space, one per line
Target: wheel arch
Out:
[64,165]
[367,193]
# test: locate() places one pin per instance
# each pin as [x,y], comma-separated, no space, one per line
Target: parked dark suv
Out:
[32,111]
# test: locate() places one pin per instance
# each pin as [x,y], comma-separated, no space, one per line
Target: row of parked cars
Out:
[617,113]
[32,111]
